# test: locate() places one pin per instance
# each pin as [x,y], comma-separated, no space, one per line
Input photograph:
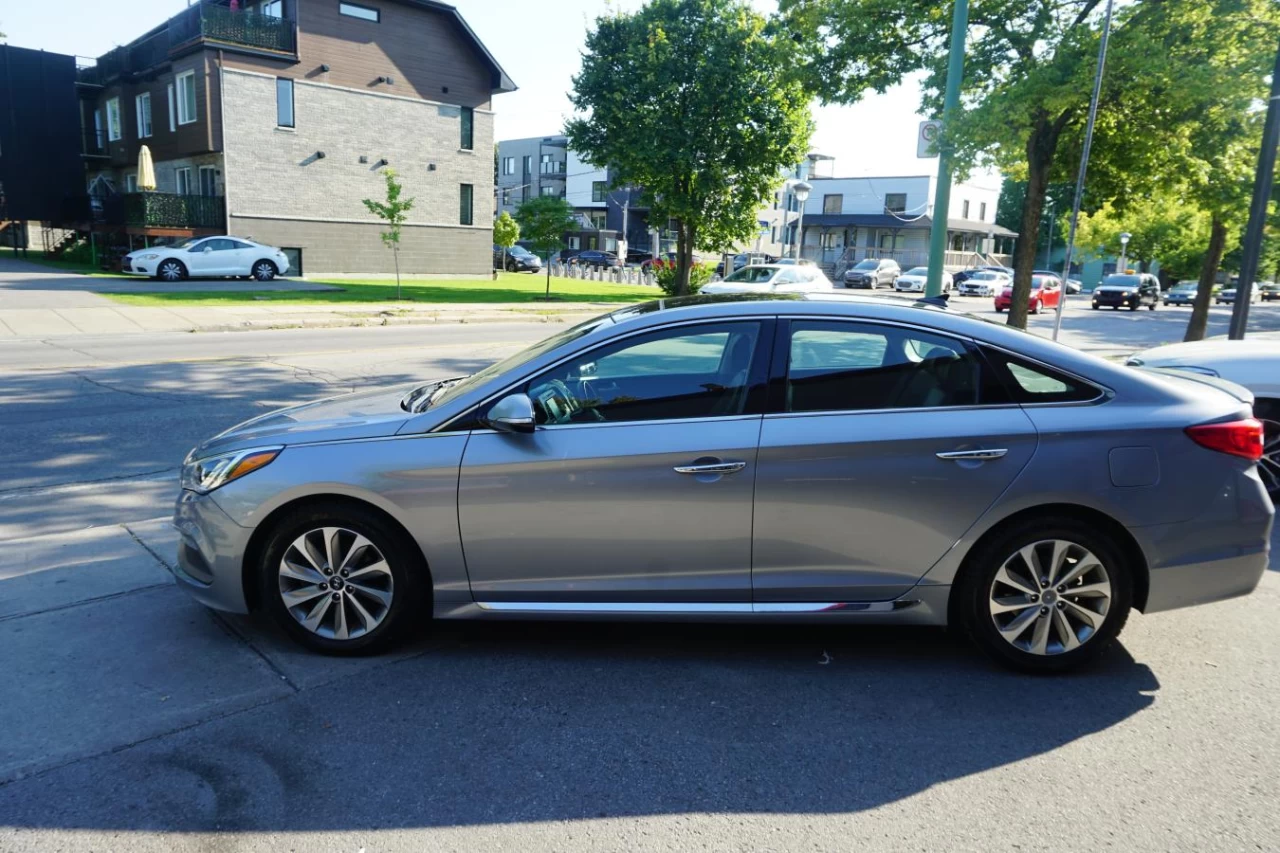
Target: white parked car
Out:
[914,279]
[772,278]
[985,283]
[1253,364]
[212,257]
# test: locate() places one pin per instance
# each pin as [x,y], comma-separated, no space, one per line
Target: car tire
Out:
[171,270]
[1095,308]
[363,607]
[264,270]
[993,592]
[1153,306]
[1268,411]
[999,310]
[1035,308]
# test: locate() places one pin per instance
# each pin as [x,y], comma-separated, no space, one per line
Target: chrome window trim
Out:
[596,424]
[895,411]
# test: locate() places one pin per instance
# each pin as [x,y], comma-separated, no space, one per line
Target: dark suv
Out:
[518,259]
[1127,290]
[595,259]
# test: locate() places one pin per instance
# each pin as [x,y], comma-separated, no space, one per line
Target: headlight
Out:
[205,475]
[150,257]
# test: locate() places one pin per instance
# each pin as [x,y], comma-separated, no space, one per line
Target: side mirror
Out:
[513,413]
[207,249]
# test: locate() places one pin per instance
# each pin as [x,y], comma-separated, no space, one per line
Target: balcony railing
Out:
[152,210]
[196,23]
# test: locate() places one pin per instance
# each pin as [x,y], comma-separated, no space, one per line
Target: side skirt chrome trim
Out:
[710,608]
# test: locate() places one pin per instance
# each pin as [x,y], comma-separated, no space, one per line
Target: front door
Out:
[202,259]
[886,445]
[636,487]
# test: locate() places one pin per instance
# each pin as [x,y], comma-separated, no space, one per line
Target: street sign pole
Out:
[942,196]
[1258,211]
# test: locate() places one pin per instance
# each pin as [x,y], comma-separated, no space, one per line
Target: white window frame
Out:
[360,13]
[508,165]
[142,106]
[213,183]
[186,111]
[180,177]
[293,103]
[115,130]
[173,109]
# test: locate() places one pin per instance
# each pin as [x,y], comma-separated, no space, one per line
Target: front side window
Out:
[468,124]
[895,203]
[186,86]
[465,206]
[598,190]
[284,102]
[672,374]
[837,366]
[114,131]
[142,106]
[364,13]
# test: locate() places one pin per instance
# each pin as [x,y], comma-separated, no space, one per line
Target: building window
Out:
[508,165]
[598,190]
[186,84]
[173,110]
[548,191]
[550,165]
[465,206]
[468,127]
[208,181]
[142,105]
[895,203]
[183,179]
[506,197]
[982,212]
[832,203]
[364,13]
[964,209]
[270,8]
[528,164]
[114,131]
[284,102]
[131,183]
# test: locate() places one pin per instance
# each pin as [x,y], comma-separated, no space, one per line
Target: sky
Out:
[538,42]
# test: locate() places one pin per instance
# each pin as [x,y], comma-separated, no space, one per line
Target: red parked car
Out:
[1046,290]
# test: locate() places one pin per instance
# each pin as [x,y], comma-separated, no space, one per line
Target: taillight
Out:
[1238,438]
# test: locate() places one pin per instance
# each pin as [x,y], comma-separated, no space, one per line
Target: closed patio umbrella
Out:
[146,170]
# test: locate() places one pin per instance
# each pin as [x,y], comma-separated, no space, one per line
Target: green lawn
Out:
[510,287]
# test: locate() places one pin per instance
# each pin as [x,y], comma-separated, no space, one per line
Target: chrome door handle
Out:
[713,468]
[960,455]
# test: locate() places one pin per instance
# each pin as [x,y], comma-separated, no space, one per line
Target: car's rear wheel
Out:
[1045,595]
[264,270]
[1268,411]
[171,270]
[340,580]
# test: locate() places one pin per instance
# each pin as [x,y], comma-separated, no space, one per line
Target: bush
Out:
[664,273]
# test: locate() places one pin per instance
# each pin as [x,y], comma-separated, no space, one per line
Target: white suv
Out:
[208,257]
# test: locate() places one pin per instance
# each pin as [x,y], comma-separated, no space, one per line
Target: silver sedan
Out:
[829,458]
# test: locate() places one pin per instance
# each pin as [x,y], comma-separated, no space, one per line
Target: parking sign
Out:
[927,139]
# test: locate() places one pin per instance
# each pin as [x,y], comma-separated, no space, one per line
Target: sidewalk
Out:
[127,319]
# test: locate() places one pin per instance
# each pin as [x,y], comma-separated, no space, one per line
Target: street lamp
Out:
[1124,250]
[800,189]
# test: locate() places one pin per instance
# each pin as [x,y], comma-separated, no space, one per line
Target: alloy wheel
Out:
[336,583]
[1050,597]
[171,271]
[1269,464]
[264,271]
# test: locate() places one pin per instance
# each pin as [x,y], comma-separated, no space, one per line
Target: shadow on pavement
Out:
[516,722]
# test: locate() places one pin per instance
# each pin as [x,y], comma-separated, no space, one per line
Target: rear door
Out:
[882,445]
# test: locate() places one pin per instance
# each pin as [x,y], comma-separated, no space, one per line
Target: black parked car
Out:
[1127,290]
[595,259]
[518,259]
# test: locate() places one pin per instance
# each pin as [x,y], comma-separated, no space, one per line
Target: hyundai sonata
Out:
[830,458]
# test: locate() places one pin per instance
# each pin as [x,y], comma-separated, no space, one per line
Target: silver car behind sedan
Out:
[825,458]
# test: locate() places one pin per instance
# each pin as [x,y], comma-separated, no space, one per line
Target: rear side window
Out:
[1028,382]
[836,366]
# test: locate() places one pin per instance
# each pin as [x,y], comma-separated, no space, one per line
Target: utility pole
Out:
[1084,163]
[942,197]
[1258,210]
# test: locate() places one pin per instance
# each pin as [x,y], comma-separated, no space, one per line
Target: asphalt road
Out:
[136,720]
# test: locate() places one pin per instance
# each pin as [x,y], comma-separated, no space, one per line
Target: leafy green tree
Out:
[1164,228]
[543,220]
[1058,198]
[693,101]
[394,211]
[506,231]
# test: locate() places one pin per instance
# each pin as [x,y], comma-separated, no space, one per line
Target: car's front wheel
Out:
[341,580]
[171,270]
[1045,595]
[264,270]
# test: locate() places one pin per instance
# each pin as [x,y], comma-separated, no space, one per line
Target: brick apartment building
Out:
[274,119]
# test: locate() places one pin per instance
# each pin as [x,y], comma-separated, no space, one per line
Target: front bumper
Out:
[859,282]
[1115,300]
[210,551]
[147,268]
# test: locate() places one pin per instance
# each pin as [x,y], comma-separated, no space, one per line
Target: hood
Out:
[366,414]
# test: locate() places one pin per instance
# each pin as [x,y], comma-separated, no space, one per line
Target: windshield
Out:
[867,265]
[187,243]
[511,362]
[1122,281]
[917,271]
[1185,288]
[753,275]
[518,250]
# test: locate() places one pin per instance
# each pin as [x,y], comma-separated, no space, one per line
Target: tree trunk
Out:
[396,254]
[1041,145]
[548,294]
[1208,273]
